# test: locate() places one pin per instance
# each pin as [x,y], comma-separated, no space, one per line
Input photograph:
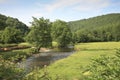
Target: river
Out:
[44,58]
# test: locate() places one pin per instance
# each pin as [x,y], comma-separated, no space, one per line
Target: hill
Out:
[96,22]
[12,30]
[104,26]
[6,21]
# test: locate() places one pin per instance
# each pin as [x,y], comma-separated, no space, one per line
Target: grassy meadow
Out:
[72,67]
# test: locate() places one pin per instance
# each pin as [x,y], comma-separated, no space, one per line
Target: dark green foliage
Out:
[100,28]
[2,21]
[104,68]
[11,35]
[12,22]
[1,36]
[40,33]
[14,56]
[61,33]
[9,71]
[116,32]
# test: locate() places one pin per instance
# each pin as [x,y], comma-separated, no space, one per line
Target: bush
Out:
[9,71]
[32,51]
[104,68]
[14,56]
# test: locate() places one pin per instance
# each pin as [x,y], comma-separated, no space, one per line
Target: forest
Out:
[92,37]
[97,29]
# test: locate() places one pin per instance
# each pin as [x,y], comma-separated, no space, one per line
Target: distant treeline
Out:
[100,28]
[96,29]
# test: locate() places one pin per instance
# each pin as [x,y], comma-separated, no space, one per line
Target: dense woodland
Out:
[100,28]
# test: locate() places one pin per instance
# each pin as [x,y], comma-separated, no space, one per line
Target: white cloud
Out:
[60,4]
[81,5]
[92,5]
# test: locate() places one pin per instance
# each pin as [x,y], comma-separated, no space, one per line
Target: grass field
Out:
[72,67]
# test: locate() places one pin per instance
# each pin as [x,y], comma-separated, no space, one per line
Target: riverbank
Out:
[72,67]
[16,52]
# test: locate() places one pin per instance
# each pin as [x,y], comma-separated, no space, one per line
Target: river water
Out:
[44,58]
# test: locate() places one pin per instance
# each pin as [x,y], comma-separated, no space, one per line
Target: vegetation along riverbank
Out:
[75,67]
[96,42]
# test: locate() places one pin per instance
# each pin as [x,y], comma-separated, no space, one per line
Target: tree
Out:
[40,33]
[1,36]
[61,33]
[82,36]
[11,35]
[116,32]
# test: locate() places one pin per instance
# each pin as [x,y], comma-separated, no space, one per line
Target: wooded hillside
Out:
[12,22]
[100,28]
[12,30]
[109,20]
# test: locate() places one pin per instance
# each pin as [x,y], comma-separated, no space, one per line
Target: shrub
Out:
[104,68]
[9,71]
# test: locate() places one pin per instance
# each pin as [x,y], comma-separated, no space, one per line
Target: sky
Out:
[67,10]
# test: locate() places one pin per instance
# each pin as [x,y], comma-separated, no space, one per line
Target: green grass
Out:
[72,67]
[54,44]
[98,46]
[7,45]
[25,44]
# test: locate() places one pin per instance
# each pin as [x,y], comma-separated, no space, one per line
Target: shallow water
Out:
[44,58]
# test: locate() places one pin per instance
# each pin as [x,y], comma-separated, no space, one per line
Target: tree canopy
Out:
[40,33]
[11,35]
[61,33]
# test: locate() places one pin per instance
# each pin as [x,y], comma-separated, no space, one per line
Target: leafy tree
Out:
[1,36]
[40,33]
[116,32]
[61,33]
[74,38]
[11,35]
[82,36]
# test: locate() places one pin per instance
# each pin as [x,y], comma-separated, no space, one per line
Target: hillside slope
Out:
[100,28]
[96,22]
[6,21]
